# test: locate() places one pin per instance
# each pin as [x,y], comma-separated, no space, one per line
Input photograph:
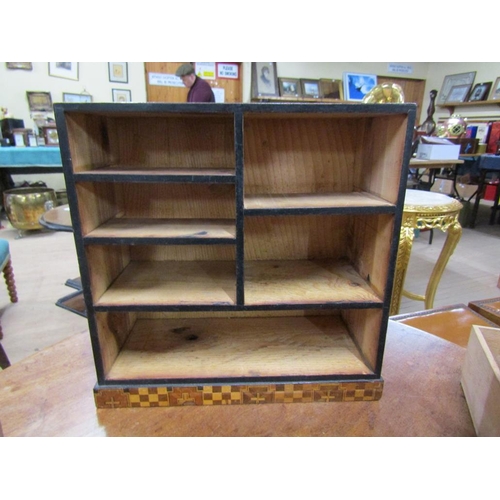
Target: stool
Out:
[8,272]
[425,209]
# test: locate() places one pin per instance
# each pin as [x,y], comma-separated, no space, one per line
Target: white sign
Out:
[205,70]
[219,94]
[165,80]
[225,70]
[406,69]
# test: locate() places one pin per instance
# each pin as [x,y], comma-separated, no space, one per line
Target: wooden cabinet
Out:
[236,253]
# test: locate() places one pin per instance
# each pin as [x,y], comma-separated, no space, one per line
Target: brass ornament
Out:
[385,93]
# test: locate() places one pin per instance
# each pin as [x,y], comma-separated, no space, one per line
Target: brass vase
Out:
[25,206]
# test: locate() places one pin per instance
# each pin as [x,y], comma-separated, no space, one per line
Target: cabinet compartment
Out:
[317,259]
[317,154]
[240,346]
[128,210]
[171,275]
[187,142]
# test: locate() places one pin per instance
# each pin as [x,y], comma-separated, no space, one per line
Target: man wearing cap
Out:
[199,89]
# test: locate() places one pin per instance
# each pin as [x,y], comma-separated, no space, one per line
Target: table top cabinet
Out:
[236,253]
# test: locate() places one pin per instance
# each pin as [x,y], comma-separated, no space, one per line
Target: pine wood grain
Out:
[237,347]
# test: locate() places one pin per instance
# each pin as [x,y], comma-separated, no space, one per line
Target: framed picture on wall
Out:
[20,65]
[495,94]
[357,85]
[118,72]
[459,93]
[289,87]
[67,97]
[264,79]
[67,70]
[451,81]
[480,91]
[122,95]
[310,88]
[330,89]
[39,101]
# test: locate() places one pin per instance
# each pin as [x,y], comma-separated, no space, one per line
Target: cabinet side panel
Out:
[364,325]
[384,143]
[300,155]
[113,330]
[197,141]
[88,141]
[97,203]
[178,201]
[296,237]
[105,264]
[370,249]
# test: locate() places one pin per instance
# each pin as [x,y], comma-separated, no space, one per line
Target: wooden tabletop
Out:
[50,394]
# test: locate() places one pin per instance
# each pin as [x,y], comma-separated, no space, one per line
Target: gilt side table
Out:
[425,210]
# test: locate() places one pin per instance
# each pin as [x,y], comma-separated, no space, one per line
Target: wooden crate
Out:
[236,254]
[481,379]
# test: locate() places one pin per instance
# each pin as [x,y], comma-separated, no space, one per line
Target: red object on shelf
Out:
[491,190]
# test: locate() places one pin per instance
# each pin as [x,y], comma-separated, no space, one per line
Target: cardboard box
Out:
[481,380]
[438,151]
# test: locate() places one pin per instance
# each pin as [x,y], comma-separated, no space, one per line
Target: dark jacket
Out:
[200,92]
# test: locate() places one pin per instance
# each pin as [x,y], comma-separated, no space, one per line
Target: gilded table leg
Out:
[453,235]
[402,260]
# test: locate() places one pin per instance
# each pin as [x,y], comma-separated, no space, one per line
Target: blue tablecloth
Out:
[489,162]
[42,156]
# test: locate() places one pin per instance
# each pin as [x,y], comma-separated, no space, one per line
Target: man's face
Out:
[188,80]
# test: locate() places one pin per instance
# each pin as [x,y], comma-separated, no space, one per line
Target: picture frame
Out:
[39,101]
[451,81]
[68,70]
[357,85]
[68,97]
[50,135]
[459,93]
[121,95]
[495,94]
[310,87]
[118,72]
[264,79]
[480,91]
[330,89]
[27,66]
[290,87]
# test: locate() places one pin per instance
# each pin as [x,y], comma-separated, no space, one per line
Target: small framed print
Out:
[118,72]
[495,94]
[480,91]
[122,95]
[289,87]
[39,101]
[459,93]
[67,97]
[20,65]
[50,135]
[451,81]
[67,70]
[357,85]
[330,89]
[264,79]
[310,88]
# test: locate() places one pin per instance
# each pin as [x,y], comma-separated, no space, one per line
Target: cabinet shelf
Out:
[134,174]
[316,203]
[211,349]
[122,231]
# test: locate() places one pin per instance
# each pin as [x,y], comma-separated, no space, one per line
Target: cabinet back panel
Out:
[179,141]
[300,155]
[182,252]
[177,201]
[296,237]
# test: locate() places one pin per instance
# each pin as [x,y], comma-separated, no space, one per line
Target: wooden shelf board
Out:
[172,283]
[164,230]
[209,348]
[305,282]
[473,103]
[315,201]
[126,173]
